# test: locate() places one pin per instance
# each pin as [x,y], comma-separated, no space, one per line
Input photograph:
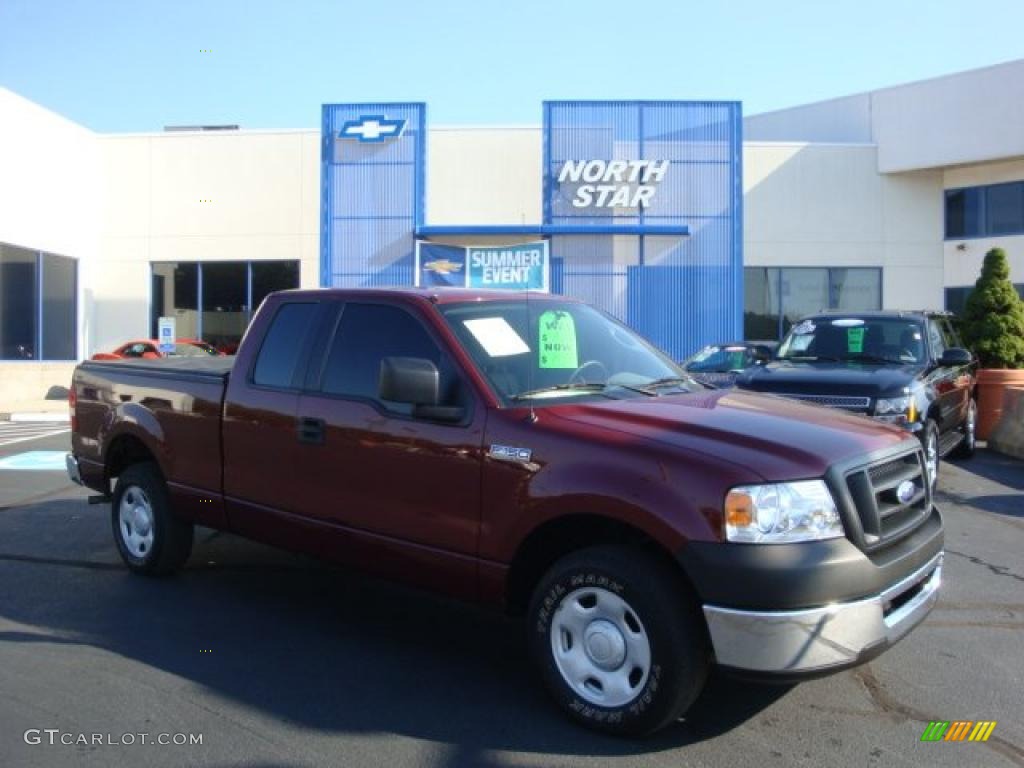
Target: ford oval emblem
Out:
[905,491]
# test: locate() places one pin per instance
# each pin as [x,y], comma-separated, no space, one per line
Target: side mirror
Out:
[416,381]
[956,356]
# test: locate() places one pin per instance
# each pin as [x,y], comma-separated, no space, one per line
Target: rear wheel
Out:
[149,537]
[620,644]
[968,445]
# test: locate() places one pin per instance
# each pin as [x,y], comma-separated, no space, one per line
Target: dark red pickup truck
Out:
[529,452]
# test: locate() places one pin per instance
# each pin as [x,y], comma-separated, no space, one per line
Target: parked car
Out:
[718,365]
[150,349]
[529,452]
[904,368]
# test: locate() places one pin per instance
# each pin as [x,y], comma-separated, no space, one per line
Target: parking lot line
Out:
[20,433]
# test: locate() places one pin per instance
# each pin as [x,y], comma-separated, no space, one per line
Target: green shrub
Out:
[993,321]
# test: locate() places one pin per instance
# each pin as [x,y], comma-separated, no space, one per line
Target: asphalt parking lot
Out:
[279,661]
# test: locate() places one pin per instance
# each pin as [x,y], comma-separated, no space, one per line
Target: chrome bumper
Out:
[817,639]
[73,472]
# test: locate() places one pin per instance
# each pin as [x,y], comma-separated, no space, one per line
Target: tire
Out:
[151,540]
[590,619]
[930,437]
[969,444]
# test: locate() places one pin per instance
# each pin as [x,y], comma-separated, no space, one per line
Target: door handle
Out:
[311,430]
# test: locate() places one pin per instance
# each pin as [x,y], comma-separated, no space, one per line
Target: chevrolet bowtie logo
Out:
[372,128]
[443,266]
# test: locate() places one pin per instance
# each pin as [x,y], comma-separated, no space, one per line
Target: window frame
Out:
[302,361]
[39,307]
[313,384]
[983,214]
[250,309]
[780,312]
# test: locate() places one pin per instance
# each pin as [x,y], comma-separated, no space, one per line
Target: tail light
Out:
[72,402]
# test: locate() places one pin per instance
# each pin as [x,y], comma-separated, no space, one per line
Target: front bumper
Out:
[816,640]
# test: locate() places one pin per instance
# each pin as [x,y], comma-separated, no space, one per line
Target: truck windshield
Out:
[870,340]
[560,350]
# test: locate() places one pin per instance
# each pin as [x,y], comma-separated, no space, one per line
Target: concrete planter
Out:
[992,383]
[1008,435]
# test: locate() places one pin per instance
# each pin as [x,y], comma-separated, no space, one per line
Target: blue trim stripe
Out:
[445,230]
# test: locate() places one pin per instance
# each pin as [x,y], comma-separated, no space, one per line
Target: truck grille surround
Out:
[875,490]
[843,402]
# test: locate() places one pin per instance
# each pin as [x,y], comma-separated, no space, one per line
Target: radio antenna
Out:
[531,356]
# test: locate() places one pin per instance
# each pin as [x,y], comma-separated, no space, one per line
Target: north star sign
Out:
[613,183]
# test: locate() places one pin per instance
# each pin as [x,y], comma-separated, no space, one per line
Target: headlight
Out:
[892,405]
[781,513]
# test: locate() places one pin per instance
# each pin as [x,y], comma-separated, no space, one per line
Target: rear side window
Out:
[367,333]
[275,364]
[949,334]
[935,337]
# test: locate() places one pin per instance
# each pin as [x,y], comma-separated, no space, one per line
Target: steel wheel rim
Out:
[135,521]
[971,425]
[600,647]
[931,457]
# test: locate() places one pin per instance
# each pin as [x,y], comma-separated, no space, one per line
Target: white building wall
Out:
[50,200]
[199,197]
[826,205]
[963,257]
[846,120]
[967,117]
[484,175]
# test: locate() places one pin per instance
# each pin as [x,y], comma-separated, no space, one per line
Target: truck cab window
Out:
[367,333]
[275,364]
[938,343]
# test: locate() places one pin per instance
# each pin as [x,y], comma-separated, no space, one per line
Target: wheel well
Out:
[125,451]
[559,537]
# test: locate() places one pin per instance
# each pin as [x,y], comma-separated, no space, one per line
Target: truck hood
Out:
[848,378]
[776,438]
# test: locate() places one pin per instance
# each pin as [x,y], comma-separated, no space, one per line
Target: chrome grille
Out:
[834,401]
[883,515]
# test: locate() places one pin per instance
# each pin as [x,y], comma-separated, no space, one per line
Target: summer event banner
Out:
[513,267]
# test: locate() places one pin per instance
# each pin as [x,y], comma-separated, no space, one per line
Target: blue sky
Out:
[136,65]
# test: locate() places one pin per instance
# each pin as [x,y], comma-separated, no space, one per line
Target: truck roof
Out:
[878,313]
[433,294]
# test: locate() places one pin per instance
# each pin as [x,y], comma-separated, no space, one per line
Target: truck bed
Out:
[172,367]
[172,405]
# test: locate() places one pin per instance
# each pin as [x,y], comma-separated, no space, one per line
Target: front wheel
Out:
[620,644]
[149,537]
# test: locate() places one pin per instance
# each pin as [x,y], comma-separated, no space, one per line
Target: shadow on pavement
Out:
[317,646]
[996,467]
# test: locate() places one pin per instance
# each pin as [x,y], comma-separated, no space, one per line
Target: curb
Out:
[57,418]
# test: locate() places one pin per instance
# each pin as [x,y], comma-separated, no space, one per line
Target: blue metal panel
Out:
[681,292]
[447,230]
[372,195]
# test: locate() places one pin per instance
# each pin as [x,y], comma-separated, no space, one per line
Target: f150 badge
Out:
[510,453]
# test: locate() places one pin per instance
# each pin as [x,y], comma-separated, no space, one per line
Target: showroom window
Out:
[38,305]
[985,211]
[776,297]
[956,297]
[215,300]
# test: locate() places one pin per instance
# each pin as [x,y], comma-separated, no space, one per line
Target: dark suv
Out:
[906,368]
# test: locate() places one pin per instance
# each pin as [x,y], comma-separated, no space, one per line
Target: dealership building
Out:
[685,219]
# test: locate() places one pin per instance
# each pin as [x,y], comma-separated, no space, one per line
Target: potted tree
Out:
[993,327]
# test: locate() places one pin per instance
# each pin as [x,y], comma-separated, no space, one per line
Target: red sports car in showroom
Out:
[149,348]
